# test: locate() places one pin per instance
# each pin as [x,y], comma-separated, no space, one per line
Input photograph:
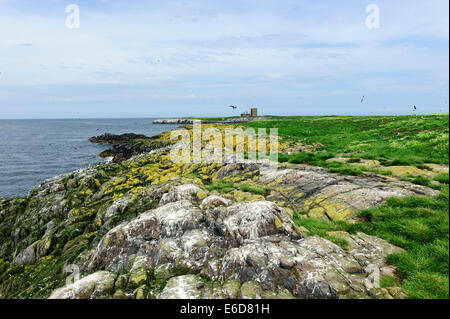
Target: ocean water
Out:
[34,150]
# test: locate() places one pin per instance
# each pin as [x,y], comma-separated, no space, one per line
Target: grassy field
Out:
[420,225]
[393,140]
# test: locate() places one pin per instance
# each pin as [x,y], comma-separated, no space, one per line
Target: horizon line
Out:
[205,117]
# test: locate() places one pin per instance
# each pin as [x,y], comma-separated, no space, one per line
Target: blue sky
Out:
[179,58]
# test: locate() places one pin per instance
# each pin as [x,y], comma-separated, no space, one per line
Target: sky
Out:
[195,58]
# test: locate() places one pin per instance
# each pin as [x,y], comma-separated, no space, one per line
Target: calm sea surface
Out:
[33,150]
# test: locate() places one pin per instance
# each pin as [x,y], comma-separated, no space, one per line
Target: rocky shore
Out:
[124,146]
[225,121]
[145,227]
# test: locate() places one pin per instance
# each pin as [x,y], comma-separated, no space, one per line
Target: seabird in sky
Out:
[233,107]
[362,99]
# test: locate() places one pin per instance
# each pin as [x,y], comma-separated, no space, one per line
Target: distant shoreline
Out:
[227,121]
[224,117]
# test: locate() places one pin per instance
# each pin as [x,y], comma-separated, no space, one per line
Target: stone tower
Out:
[254,112]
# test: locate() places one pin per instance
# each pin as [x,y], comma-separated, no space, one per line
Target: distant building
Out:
[253,113]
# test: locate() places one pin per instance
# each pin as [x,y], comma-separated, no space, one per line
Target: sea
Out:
[34,150]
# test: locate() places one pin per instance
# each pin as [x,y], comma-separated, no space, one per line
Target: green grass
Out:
[253,189]
[421,180]
[442,178]
[388,281]
[420,225]
[393,140]
[221,186]
[321,228]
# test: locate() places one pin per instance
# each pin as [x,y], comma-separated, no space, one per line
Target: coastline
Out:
[34,150]
[143,225]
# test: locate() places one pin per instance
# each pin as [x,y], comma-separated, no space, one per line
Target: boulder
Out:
[252,220]
[141,235]
[117,207]
[214,201]
[33,252]
[177,193]
[98,284]
[183,287]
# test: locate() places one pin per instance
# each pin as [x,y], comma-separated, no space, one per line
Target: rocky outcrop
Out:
[95,285]
[214,201]
[183,287]
[247,250]
[127,145]
[173,121]
[109,138]
[118,207]
[318,192]
[33,252]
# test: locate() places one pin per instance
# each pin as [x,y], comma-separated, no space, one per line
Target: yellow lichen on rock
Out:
[409,170]
[323,207]
[201,195]
[438,168]
[240,196]
[278,223]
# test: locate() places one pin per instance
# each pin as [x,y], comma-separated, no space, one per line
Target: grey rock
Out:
[118,207]
[97,284]
[183,287]
[214,201]
[177,193]
[246,250]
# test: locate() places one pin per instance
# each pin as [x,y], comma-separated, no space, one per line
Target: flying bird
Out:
[415,108]
[362,99]
[233,107]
